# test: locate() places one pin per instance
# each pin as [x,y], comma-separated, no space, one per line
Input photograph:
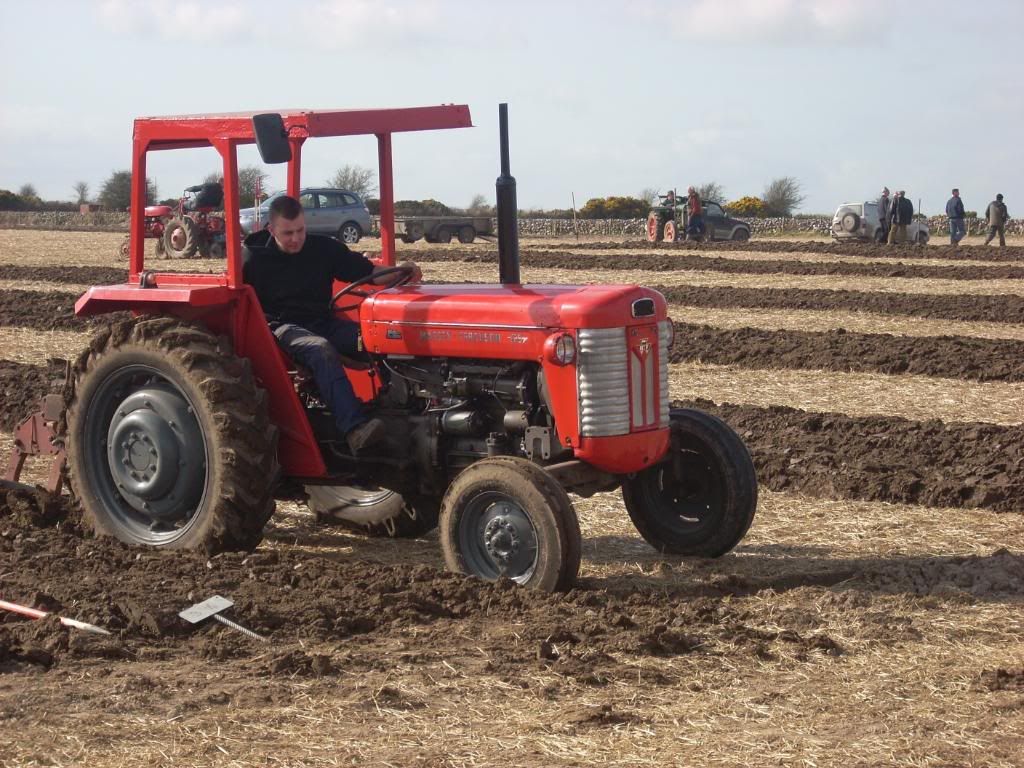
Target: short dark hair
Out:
[285,207]
[999,196]
[956,191]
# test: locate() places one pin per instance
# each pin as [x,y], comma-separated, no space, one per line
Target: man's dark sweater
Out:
[296,288]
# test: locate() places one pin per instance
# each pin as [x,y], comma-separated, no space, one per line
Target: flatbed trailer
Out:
[442,229]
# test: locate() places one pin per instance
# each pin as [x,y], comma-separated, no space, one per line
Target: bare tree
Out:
[649,195]
[354,178]
[782,197]
[27,191]
[479,206]
[81,192]
[249,178]
[711,190]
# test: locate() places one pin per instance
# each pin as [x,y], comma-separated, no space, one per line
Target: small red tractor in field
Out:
[185,423]
[194,227]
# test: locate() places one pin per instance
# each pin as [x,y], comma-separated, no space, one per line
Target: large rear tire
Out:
[505,516]
[181,240]
[374,512]
[701,499]
[169,439]
[655,228]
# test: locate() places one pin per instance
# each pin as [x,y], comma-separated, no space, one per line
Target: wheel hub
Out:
[178,238]
[148,446]
[508,538]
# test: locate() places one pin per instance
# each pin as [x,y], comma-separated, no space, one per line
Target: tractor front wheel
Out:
[375,512]
[701,499]
[670,231]
[169,439]
[505,516]
[181,239]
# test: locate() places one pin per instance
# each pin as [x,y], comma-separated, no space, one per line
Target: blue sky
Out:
[604,98]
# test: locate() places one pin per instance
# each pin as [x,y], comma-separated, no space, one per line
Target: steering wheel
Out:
[400,275]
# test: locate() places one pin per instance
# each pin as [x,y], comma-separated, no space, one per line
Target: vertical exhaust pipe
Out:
[508,214]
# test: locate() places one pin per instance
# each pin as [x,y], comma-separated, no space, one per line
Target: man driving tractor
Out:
[293,275]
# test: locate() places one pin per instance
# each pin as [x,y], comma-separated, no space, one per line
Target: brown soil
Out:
[21,387]
[881,459]
[661,262]
[47,311]
[944,356]
[996,309]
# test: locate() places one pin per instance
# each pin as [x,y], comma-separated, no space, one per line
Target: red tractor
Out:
[186,422]
[155,218]
[195,227]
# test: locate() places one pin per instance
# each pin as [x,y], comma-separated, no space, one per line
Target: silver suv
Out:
[335,212]
[859,221]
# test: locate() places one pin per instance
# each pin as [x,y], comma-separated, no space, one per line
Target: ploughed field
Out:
[873,614]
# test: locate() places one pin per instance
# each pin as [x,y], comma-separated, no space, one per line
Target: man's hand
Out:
[417,273]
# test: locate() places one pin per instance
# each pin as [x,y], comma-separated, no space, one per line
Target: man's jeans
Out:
[957,230]
[316,346]
[996,229]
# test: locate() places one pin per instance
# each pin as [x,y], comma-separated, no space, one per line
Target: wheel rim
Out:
[349,234]
[146,476]
[497,538]
[670,231]
[178,238]
[694,499]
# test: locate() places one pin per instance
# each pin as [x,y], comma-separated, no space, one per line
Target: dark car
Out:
[718,225]
[335,212]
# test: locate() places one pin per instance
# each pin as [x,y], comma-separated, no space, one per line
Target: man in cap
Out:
[997,217]
[955,213]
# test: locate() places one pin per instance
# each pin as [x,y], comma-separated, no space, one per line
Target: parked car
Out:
[335,212]
[859,221]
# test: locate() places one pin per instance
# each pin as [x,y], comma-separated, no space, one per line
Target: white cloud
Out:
[363,23]
[783,22]
[180,22]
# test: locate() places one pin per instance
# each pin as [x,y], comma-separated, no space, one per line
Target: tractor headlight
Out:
[562,349]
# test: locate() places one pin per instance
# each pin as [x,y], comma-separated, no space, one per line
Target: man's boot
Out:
[368,437]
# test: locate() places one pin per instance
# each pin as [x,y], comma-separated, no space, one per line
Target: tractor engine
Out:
[466,410]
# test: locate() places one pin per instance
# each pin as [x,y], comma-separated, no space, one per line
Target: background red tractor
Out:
[196,228]
[185,422]
[154,222]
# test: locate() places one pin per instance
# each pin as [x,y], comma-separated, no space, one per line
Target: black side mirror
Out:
[271,138]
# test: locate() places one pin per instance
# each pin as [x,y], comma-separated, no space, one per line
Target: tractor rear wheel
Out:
[181,240]
[701,499]
[670,231]
[169,439]
[505,516]
[655,228]
[375,512]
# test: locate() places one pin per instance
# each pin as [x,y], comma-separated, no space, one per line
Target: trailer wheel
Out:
[467,234]
[414,231]
[443,235]
[181,240]
[169,439]
[669,232]
[375,512]
[125,249]
[505,516]
[701,499]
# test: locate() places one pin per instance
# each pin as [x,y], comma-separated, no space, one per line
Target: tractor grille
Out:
[664,337]
[603,380]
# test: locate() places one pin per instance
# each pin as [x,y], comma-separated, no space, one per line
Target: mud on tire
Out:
[169,440]
[701,499]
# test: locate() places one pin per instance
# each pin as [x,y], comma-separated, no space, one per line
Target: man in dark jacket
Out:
[884,206]
[293,275]
[997,216]
[955,212]
[902,214]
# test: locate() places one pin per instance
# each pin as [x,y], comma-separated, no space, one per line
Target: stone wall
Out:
[616,228]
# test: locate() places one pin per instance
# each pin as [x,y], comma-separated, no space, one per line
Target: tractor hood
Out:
[517,306]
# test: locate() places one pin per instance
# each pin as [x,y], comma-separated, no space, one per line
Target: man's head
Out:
[902,193]
[691,191]
[999,197]
[956,192]
[885,191]
[287,224]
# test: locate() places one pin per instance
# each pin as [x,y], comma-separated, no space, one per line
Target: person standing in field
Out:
[695,211]
[902,215]
[884,211]
[955,213]
[997,217]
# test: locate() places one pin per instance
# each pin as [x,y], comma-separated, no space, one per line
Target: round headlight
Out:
[563,351]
